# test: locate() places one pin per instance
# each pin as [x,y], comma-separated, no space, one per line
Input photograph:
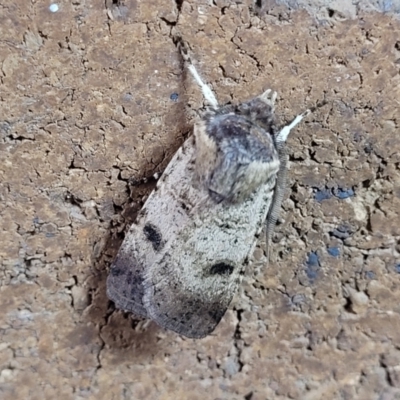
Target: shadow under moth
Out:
[182,261]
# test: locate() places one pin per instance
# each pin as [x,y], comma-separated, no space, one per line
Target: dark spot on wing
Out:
[116,271]
[154,236]
[221,269]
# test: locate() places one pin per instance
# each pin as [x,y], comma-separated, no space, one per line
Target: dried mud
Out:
[93,99]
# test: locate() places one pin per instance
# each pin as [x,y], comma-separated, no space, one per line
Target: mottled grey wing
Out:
[125,282]
[193,315]
[191,308]
[143,246]
[193,284]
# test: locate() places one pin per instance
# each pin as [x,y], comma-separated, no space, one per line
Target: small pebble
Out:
[342,231]
[174,96]
[359,301]
[344,193]
[369,274]
[312,266]
[53,7]
[128,97]
[322,195]
[334,251]
[298,299]
[313,260]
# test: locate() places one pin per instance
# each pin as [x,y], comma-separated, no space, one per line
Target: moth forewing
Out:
[189,290]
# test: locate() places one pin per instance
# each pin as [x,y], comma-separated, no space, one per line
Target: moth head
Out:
[260,111]
[234,156]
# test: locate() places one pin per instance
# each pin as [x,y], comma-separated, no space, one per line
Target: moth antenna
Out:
[206,90]
[284,132]
[280,185]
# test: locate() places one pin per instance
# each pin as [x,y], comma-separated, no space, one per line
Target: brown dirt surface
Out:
[93,99]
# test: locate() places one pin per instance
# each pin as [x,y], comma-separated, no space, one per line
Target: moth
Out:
[182,261]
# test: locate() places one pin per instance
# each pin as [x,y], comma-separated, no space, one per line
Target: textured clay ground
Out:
[93,98]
